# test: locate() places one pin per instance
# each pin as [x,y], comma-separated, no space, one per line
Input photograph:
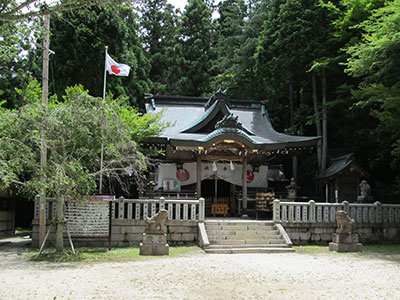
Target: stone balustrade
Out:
[178,209]
[140,209]
[128,220]
[314,212]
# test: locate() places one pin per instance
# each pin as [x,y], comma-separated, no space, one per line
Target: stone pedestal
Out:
[365,199]
[154,244]
[345,242]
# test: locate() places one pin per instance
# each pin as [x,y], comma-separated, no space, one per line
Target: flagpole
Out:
[102,144]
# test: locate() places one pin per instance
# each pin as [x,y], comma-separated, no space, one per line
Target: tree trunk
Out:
[317,118]
[291,108]
[324,153]
[60,224]
[291,100]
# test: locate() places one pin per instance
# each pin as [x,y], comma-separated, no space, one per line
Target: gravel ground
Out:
[201,276]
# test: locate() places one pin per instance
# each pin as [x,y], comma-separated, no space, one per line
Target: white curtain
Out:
[188,174]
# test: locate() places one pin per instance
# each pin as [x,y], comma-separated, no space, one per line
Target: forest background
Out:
[327,68]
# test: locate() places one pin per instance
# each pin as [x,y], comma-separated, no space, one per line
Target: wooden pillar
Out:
[232,198]
[244,184]
[327,192]
[198,186]
[337,190]
[215,189]
[294,168]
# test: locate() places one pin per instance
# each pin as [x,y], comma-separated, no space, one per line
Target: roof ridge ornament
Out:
[229,121]
[218,95]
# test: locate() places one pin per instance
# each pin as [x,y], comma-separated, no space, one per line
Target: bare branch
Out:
[9,13]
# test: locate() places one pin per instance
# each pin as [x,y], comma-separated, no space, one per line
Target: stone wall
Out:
[321,233]
[127,233]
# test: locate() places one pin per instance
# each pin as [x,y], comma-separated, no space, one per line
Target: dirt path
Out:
[201,276]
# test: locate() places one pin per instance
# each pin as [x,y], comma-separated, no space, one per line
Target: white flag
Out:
[115,68]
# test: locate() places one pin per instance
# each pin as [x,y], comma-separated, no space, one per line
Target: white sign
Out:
[171,185]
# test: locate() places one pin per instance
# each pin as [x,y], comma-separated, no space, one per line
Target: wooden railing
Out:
[140,209]
[314,212]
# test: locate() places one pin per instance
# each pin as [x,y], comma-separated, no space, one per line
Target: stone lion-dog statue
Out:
[156,223]
[344,222]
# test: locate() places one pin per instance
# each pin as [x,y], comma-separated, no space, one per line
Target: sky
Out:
[178,3]
[181,5]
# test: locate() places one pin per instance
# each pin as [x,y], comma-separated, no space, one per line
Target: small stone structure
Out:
[345,239]
[365,193]
[154,237]
[292,189]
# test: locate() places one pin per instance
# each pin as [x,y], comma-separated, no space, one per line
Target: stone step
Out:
[237,221]
[245,242]
[269,241]
[248,246]
[227,242]
[247,236]
[239,227]
[249,250]
[228,233]
[233,223]
[242,232]
[240,224]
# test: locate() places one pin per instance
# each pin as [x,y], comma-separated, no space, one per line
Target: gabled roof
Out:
[339,164]
[191,116]
[218,108]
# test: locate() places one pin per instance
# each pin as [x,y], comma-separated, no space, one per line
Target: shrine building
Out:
[221,149]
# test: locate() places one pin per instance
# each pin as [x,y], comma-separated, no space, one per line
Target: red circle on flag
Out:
[250,176]
[182,175]
[225,168]
[115,69]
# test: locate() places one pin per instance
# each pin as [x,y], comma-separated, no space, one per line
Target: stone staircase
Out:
[245,236]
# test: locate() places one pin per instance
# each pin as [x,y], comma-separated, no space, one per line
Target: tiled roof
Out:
[339,164]
[188,116]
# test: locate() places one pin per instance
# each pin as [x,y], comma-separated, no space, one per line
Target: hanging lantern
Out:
[214,166]
[232,166]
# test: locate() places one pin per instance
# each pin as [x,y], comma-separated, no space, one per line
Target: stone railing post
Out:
[121,207]
[162,203]
[346,207]
[378,215]
[202,208]
[276,210]
[311,216]
[306,213]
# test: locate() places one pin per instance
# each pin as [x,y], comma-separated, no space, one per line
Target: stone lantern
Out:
[292,189]
[150,187]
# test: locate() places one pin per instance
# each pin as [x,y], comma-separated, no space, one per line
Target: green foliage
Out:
[194,49]
[244,83]
[16,43]
[283,57]
[258,49]
[31,94]
[79,39]
[229,28]
[158,24]
[73,131]
[375,59]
